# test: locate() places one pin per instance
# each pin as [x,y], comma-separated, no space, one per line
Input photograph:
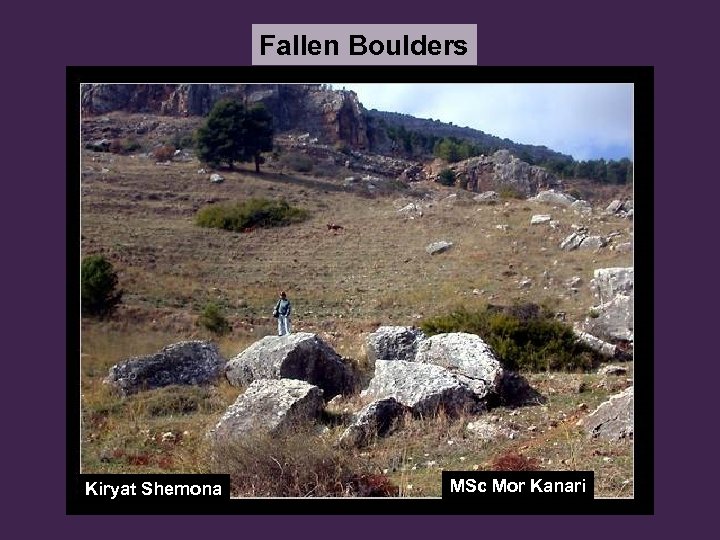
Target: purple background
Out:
[38,42]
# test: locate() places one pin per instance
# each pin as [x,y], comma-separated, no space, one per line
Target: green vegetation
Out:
[233,133]
[510,192]
[256,212]
[213,319]
[409,143]
[525,337]
[124,146]
[446,177]
[452,149]
[599,170]
[297,162]
[99,280]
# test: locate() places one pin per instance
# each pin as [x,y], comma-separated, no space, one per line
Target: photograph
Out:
[351,285]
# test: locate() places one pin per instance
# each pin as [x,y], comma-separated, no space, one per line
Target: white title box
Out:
[364,44]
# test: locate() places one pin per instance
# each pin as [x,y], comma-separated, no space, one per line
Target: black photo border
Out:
[642,77]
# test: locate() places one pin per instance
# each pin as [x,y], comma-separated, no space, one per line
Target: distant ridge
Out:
[526,152]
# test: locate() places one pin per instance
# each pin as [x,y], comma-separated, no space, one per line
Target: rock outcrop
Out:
[183,363]
[303,356]
[270,405]
[613,419]
[330,116]
[499,171]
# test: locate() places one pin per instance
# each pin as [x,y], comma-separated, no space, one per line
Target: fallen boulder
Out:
[183,363]
[613,419]
[424,388]
[270,405]
[538,219]
[487,197]
[596,344]
[612,371]
[303,356]
[572,241]
[393,343]
[438,247]
[554,197]
[465,355]
[378,419]
[613,320]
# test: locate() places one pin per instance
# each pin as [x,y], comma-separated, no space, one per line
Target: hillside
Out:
[430,127]
[331,116]
[343,283]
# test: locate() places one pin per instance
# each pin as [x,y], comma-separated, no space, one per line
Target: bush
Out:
[249,214]
[124,146]
[446,177]
[297,162]
[183,139]
[510,192]
[514,462]
[164,153]
[524,337]
[99,296]
[213,319]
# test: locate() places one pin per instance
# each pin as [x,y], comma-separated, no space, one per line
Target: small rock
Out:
[540,218]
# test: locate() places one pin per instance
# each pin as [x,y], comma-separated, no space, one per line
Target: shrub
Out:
[183,139]
[249,214]
[524,337]
[99,296]
[164,153]
[514,462]
[124,146]
[213,319]
[296,463]
[446,177]
[297,162]
[510,192]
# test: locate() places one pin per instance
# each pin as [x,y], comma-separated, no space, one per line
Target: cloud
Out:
[587,121]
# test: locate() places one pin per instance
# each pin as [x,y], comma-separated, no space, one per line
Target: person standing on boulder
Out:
[282,314]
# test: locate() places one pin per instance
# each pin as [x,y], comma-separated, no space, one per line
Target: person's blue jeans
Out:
[283,325]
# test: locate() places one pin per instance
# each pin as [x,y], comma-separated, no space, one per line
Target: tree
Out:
[257,134]
[233,133]
[98,286]
[220,139]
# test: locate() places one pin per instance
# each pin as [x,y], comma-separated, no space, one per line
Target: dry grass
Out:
[343,285]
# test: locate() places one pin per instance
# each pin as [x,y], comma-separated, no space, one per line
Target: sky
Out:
[586,121]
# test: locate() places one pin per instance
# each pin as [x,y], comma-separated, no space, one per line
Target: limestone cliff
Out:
[331,116]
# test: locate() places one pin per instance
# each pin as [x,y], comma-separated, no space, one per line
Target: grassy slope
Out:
[342,284]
